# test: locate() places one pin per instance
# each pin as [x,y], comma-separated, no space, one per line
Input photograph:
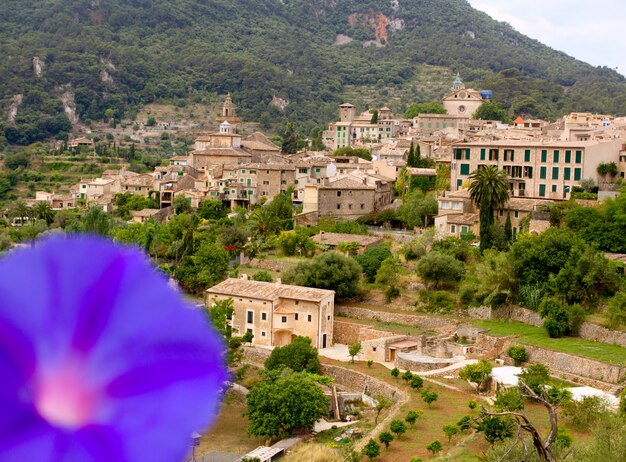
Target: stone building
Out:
[537,169]
[276,313]
[221,148]
[347,197]
[462,101]
[229,112]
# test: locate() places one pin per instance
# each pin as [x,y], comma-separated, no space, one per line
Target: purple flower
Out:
[99,359]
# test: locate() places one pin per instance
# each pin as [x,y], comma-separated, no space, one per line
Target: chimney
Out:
[244,277]
[279,282]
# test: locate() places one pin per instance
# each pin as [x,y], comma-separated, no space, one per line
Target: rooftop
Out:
[268,290]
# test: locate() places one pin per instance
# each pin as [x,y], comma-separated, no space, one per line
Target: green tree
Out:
[181,204]
[429,397]
[489,190]
[290,140]
[417,209]
[508,229]
[385,438]
[263,222]
[97,221]
[348,151]
[395,372]
[438,267]
[495,428]
[398,427]
[374,119]
[329,270]
[298,356]
[517,353]
[382,403]
[492,110]
[450,430]
[220,312]
[416,109]
[371,449]
[284,402]
[210,209]
[353,350]
[410,160]
[435,447]
[509,399]
[407,376]
[412,417]
[262,276]
[536,377]
[416,382]
[372,259]
[43,211]
[211,263]
[477,373]
[616,312]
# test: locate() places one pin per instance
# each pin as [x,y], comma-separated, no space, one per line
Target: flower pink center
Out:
[64,398]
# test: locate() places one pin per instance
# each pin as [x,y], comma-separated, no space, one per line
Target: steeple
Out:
[229,111]
[458,83]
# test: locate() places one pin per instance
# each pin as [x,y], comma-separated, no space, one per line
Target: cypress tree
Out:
[508,228]
[410,161]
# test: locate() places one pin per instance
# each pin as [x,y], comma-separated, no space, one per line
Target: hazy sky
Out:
[592,31]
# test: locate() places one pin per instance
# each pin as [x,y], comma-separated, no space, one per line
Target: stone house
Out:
[276,313]
[462,101]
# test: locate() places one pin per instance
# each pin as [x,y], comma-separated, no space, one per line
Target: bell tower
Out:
[229,112]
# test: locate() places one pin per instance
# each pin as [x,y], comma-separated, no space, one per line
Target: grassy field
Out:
[450,407]
[537,336]
[228,433]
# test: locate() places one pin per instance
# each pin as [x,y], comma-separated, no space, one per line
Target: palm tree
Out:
[43,211]
[263,222]
[21,211]
[489,190]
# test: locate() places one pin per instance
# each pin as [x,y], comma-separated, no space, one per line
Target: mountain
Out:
[80,58]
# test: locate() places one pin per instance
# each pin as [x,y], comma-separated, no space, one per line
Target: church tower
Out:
[458,83]
[229,112]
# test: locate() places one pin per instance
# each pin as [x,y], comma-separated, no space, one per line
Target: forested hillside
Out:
[115,55]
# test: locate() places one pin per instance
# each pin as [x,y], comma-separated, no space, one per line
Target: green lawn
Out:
[537,336]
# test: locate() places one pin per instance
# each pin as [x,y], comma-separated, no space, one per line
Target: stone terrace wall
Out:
[346,333]
[424,322]
[588,330]
[256,355]
[271,265]
[488,346]
[360,383]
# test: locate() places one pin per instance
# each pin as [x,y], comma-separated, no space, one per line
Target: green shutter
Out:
[467,154]
[577,174]
[543,173]
[459,183]
[568,157]
[544,156]
[465,169]
[556,156]
[566,173]
[482,154]
[555,173]
[542,190]
[579,157]
[527,155]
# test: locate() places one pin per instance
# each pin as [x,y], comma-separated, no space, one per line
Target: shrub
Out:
[435,447]
[585,413]
[472,404]
[616,312]
[397,426]
[416,382]
[395,372]
[561,319]
[263,276]
[517,353]
[438,267]
[407,376]
[412,416]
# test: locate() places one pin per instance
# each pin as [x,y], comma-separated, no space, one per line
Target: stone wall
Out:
[256,355]
[424,322]
[271,265]
[412,363]
[588,330]
[490,347]
[346,333]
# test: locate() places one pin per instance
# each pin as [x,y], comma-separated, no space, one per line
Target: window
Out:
[493,154]
[543,173]
[542,190]
[458,153]
[249,331]
[328,317]
[566,173]
[317,170]
[516,214]
[544,156]
[553,188]
[338,193]
[250,317]
[459,183]
[296,316]
[309,318]
[467,154]
[338,206]
[568,157]
[527,155]
[243,171]
[362,206]
[263,333]
[509,155]
[263,316]
[555,158]
[501,212]
[453,229]
[465,169]
[464,229]
[283,319]
[555,173]
[528,172]
[482,154]
[577,174]
[579,157]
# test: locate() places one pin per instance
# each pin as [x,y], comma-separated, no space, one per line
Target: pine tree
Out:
[410,161]
[508,228]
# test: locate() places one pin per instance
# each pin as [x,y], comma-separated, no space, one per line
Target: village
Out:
[415,327]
